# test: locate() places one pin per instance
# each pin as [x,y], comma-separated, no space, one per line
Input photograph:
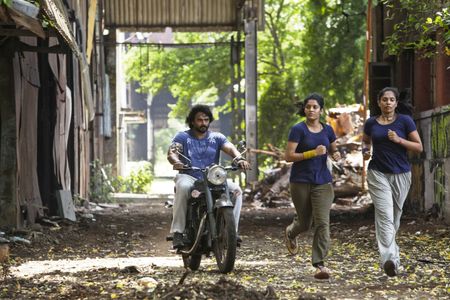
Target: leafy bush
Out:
[100,185]
[103,183]
[138,181]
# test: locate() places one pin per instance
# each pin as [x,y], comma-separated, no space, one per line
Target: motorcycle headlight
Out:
[217,175]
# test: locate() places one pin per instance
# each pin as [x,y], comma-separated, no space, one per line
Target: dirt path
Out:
[123,254]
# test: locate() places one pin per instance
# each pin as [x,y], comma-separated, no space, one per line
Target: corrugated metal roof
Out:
[181,15]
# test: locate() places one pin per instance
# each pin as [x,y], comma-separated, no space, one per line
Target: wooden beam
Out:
[24,32]
[54,49]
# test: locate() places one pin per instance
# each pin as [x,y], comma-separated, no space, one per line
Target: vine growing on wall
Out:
[424,28]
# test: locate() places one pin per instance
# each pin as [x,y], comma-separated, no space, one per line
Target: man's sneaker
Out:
[291,243]
[322,273]
[389,268]
[177,241]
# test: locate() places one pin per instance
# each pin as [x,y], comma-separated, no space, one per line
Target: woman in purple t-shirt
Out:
[390,135]
[311,182]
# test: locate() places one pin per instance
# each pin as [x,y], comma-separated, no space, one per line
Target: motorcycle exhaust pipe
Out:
[197,239]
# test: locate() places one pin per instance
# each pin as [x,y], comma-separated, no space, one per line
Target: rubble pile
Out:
[348,177]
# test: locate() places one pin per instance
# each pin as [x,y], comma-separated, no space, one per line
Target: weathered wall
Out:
[8,212]
[110,144]
[430,191]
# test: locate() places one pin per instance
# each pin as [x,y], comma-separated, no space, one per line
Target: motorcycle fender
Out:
[223,201]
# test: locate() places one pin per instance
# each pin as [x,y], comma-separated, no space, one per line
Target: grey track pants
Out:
[388,193]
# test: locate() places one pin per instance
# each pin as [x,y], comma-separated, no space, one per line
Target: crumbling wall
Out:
[431,170]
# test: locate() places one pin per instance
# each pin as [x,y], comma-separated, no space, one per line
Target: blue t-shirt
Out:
[387,156]
[313,170]
[202,152]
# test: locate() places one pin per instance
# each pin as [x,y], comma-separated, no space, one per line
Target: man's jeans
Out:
[183,185]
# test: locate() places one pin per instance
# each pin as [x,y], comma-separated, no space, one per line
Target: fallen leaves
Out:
[262,261]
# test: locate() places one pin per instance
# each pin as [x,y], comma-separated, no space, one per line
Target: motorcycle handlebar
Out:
[227,168]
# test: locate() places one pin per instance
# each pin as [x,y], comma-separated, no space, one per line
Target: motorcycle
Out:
[210,225]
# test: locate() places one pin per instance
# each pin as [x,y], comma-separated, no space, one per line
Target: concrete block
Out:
[66,209]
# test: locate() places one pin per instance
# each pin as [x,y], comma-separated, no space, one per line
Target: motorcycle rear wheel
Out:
[225,245]
[192,261]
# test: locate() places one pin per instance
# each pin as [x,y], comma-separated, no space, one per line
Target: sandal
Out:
[291,243]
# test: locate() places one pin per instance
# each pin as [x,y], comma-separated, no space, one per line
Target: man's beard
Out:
[202,129]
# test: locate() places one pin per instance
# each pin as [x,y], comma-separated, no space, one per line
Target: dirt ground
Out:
[121,253]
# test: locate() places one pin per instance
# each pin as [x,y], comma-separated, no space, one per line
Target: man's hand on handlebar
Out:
[241,163]
[244,165]
[178,165]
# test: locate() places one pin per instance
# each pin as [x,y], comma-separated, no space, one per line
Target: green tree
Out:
[197,74]
[333,47]
[306,46]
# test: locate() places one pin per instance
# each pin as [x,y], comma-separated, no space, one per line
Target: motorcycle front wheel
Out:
[225,244]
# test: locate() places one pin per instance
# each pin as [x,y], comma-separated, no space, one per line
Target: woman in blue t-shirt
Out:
[390,135]
[311,182]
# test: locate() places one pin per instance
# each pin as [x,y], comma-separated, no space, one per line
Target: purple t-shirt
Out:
[313,170]
[387,156]
[202,152]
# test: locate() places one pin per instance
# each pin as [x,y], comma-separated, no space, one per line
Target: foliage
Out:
[189,73]
[306,46]
[137,182]
[333,50]
[103,183]
[418,25]
[6,2]
[100,186]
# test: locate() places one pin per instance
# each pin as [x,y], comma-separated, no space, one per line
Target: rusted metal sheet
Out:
[181,15]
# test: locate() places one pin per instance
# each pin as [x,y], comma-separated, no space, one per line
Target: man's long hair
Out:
[196,109]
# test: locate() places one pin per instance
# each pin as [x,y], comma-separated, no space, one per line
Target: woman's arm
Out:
[366,146]
[292,156]
[413,143]
[335,154]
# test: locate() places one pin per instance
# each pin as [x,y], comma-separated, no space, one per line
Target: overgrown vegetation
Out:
[137,182]
[103,183]
[426,28]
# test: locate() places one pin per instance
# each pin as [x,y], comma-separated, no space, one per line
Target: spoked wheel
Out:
[225,245]
[192,261]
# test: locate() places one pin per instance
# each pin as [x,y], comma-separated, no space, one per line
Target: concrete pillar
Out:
[251,128]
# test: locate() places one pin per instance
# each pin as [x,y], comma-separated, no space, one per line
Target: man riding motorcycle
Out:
[202,147]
